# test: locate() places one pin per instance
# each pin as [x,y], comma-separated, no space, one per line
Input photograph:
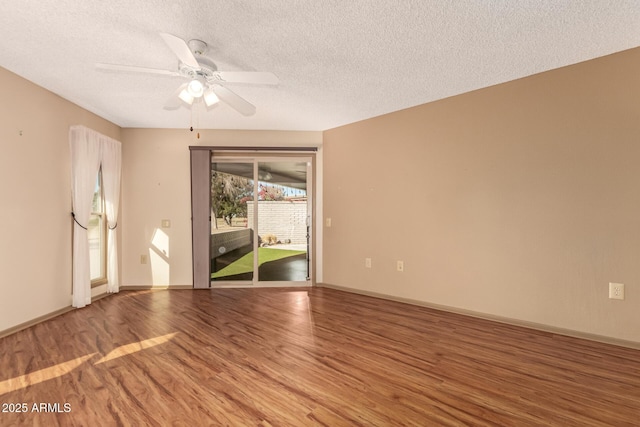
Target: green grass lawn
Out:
[245,264]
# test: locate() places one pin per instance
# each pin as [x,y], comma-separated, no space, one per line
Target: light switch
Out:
[166,223]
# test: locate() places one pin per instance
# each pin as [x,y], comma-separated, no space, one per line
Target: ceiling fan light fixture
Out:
[210,97]
[196,88]
[186,96]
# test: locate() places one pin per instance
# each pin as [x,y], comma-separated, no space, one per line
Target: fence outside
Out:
[228,240]
[286,219]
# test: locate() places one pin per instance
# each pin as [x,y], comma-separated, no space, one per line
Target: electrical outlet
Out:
[166,223]
[367,262]
[327,222]
[143,259]
[400,266]
[616,290]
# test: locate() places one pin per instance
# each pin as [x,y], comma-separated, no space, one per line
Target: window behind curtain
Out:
[97,231]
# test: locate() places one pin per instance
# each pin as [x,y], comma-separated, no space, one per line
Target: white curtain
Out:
[89,150]
[111,167]
[85,163]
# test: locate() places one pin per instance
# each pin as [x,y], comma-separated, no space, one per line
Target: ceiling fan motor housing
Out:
[198,47]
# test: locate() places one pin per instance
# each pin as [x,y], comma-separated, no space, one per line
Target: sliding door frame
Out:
[201,203]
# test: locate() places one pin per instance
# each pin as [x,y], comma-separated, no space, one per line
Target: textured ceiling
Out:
[338,61]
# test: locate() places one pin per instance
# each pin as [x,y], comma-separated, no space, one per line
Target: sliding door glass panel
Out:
[283,224]
[232,235]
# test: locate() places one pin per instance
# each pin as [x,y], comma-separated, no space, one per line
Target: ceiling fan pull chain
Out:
[197,113]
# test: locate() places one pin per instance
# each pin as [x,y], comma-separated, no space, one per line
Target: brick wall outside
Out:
[285,219]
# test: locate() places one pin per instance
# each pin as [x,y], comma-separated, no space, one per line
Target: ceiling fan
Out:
[206,83]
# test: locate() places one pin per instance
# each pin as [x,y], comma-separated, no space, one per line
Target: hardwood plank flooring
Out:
[297,357]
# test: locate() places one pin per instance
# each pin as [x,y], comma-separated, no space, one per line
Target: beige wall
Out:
[156,186]
[519,201]
[35,186]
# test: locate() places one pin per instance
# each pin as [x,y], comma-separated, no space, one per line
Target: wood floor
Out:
[279,357]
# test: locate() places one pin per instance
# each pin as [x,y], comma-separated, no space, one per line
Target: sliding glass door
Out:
[283,221]
[260,221]
[232,236]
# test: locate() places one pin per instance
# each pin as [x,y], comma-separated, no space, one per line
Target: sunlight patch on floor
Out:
[135,347]
[36,377]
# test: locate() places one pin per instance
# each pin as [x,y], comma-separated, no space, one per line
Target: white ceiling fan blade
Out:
[235,101]
[252,77]
[175,102]
[134,69]
[181,49]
